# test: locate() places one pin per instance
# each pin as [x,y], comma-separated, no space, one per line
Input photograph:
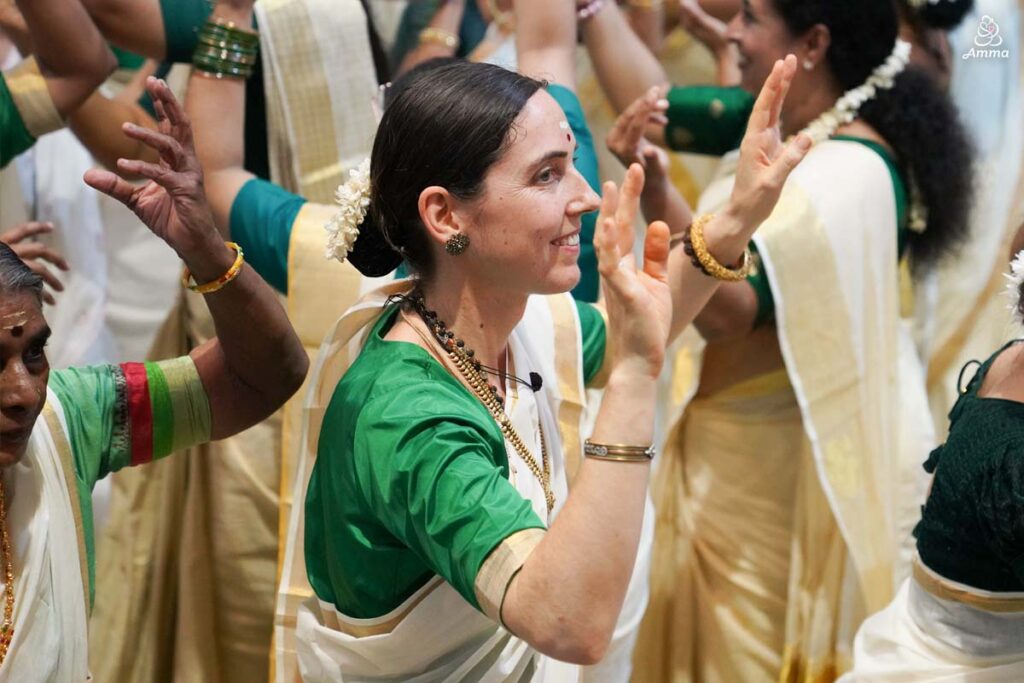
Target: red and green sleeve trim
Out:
[161,408]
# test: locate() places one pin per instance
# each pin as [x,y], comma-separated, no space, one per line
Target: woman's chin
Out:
[561,279]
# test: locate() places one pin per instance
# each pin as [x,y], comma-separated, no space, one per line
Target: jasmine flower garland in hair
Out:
[1016,278]
[847,106]
[353,196]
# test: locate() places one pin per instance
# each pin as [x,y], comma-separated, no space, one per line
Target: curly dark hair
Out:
[919,122]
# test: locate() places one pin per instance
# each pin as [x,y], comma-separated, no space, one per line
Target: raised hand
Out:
[36,254]
[765,160]
[707,29]
[172,204]
[626,139]
[638,300]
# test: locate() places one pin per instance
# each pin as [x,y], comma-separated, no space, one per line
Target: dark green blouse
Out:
[972,527]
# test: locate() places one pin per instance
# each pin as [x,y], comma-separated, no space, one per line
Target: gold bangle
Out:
[211,287]
[651,5]
[709,264]
[618,452]
[440,37]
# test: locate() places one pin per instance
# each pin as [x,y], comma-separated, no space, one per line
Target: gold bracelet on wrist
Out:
[618,452]
[211,287]
[708,263]
[437,36]
[650,5]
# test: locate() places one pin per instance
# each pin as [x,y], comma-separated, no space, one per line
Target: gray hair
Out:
[16,277]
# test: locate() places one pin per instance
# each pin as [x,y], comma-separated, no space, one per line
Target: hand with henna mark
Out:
[36,254]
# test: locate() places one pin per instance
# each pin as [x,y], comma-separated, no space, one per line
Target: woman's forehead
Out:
[542,123]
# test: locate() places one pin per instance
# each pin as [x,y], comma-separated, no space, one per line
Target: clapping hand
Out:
[626,139]
[637,298]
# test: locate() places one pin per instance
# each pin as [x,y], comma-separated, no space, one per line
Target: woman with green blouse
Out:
[456,526]
[960,616]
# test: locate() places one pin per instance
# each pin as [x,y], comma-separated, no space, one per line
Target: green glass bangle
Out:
[236,35]
[220,69]
[222,40]
[223,55]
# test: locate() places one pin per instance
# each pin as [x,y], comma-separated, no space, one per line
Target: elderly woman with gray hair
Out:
[60,432]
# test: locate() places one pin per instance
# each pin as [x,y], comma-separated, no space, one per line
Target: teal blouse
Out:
[262,213]
[411,478]
[712,120]
[972,526]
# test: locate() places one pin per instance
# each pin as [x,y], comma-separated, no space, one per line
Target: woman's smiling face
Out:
[762,38]
[524,227]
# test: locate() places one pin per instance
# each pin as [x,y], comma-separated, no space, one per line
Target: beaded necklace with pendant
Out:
[471,370]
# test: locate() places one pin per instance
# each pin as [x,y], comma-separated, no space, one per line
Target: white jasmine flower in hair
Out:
[1016,279]
[353,197]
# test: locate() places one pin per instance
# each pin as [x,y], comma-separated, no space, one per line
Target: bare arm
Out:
[97,123]
[546,40]
[247,376]
[71,53]
[624,66]
[562,601]
[647,18]
[711,31]
[217,109]
[134,25]
[447,20]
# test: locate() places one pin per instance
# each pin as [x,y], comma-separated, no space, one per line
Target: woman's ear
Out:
[816,43]
[437,208]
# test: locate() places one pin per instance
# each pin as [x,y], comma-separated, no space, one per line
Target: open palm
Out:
[172,204]
[638,299]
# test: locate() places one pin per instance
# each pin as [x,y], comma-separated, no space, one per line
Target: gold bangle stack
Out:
[618,452]
[437,36]
[225,51]
[697,249]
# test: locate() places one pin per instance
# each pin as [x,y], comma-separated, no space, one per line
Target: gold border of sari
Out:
[67,461]
[32,98]
[945,589]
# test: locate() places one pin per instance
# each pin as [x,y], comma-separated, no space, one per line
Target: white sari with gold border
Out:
[436,635]
[941,630]
[721,608]
[51,588]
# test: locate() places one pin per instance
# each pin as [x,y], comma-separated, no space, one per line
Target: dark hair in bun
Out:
[446,124]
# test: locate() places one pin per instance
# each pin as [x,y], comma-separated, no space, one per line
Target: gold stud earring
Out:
[457,244]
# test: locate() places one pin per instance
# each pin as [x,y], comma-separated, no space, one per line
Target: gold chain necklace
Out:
[464,361]
[7,627]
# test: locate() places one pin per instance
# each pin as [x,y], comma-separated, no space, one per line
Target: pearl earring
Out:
[808,65]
